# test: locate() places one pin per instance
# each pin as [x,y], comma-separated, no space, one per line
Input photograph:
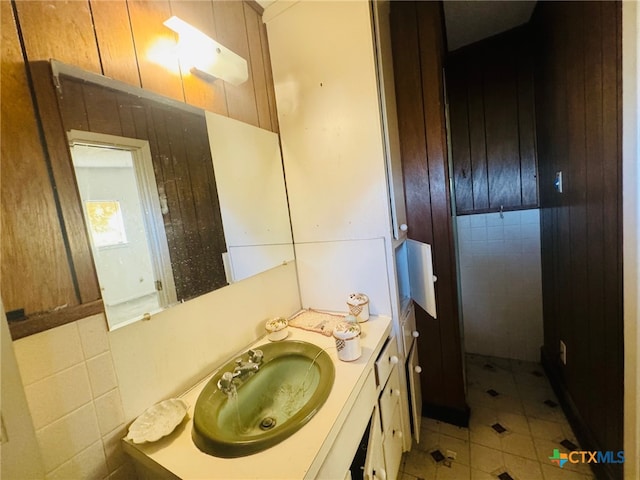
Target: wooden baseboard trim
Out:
[454,416]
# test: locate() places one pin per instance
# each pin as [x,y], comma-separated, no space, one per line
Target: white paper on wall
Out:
[421,275]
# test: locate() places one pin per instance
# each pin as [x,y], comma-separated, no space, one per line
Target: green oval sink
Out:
[292,383]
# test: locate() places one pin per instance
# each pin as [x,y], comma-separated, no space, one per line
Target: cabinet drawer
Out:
[408,329]
[387,359]
[390,398]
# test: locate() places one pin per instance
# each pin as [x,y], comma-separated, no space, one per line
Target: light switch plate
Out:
[563,352]
[557,184]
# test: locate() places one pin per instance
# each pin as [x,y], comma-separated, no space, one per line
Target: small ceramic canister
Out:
[347,336]
[359,306]
[277,329]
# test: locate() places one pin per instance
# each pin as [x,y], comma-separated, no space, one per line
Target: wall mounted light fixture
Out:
[206,57]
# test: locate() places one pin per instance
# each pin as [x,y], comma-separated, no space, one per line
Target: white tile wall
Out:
[84,385]
[329,271]
[501,284]
[73,397]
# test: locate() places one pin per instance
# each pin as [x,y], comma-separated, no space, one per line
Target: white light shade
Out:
[206,57]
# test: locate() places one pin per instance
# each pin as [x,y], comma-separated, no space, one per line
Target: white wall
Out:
[19,452]
[501,285]
[332,146]
[631,232]
[84,385]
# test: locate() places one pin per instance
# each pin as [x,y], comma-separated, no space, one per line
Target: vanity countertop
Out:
[297,457]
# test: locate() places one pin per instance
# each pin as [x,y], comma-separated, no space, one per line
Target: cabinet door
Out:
[415,393]
[392,444]
[386,84]
[374,466]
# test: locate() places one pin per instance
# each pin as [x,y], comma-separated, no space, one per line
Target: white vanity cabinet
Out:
[390,407]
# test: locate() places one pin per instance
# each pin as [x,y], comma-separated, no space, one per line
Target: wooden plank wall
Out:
[578,112]
[492,119]
[114,38]
[418,51]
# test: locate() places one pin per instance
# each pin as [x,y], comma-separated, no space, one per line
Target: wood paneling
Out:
[578,124]
[70,210]
[115,41]
[490,90]
[212,97]
[29,214]
[159,71]
[115,38]
[59,29]
[418,48]
[232,33]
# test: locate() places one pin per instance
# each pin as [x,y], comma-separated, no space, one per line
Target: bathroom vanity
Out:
[365,392]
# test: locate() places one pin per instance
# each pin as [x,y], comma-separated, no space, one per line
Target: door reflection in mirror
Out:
[124,222]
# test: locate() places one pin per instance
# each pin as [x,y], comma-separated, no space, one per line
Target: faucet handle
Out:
[225,381]
[255,356]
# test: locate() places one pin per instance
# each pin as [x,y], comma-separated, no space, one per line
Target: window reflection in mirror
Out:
[124,222]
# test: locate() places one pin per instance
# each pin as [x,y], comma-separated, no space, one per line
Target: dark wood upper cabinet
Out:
[492,119]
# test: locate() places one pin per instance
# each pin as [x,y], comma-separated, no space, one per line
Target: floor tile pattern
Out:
[516,424]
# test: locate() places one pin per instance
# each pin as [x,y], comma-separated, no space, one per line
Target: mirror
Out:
[177,202]
[253,199]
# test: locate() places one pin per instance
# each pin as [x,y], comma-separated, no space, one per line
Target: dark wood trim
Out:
[44,321]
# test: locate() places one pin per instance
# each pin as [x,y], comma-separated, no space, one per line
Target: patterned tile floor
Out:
[516,423]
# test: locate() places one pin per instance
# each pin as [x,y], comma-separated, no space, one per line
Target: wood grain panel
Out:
[209,228]
[526,122]
[271,94]
[417,43]
[64,178]
[499,97]
[59,29]
[501,129]
[254,25]
[578,129]
[102,109]
[575,229]
[153,43]
[431,45]
[115,42]
[207,95]
[28,202]
[74,114]
[413,149]
[232,33]
[595,203]
[612,254]
[459,124]
[477,139]
[411,125]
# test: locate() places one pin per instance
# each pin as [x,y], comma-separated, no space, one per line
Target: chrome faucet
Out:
[229,381]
